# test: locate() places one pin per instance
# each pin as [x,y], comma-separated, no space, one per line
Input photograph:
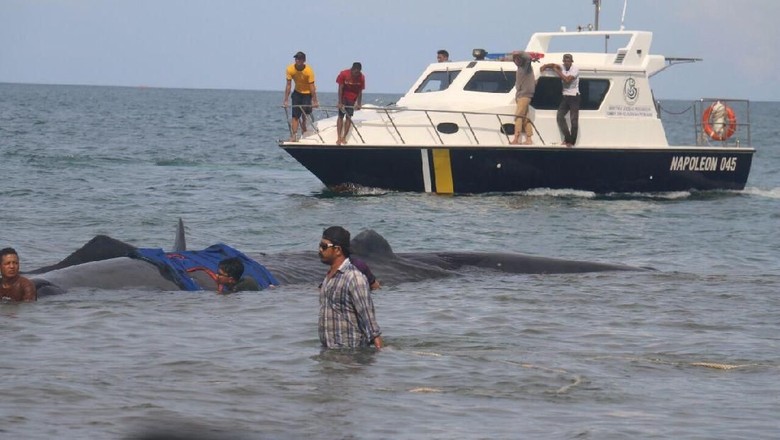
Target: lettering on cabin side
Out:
[705,163]
[630,111]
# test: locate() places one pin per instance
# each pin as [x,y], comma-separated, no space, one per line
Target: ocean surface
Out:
[689,351]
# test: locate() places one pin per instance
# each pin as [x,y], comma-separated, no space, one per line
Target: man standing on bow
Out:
[351,85]
[347,318]
[525,86]
[304,97]
[570,101]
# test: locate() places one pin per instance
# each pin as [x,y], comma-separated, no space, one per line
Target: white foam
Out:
[773,193]
[548,192]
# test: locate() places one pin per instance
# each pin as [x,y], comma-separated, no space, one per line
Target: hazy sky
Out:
[246,44]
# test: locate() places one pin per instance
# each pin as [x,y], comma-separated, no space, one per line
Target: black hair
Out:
[357,65]
[443,52]
[339,237]
[233,267]
[8,251]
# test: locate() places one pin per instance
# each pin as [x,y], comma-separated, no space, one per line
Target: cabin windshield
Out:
[549,90]
[491,81]
[437,81]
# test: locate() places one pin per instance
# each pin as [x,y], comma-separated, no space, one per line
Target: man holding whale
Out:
[13,286]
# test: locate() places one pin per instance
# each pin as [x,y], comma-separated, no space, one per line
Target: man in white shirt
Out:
[570,101]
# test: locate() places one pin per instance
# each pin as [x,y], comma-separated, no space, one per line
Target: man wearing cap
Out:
[570,101]
[351,84]
[347,318]
[525,85]
[304,97]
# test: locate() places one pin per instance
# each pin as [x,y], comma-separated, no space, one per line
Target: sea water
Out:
[688,351]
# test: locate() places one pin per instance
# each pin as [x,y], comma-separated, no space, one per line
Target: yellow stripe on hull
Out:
[442,170]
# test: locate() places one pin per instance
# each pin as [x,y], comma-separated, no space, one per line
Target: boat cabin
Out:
[614,87]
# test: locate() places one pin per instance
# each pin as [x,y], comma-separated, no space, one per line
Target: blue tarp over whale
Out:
[179,265]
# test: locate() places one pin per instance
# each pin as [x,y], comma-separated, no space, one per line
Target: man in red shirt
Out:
[351,84]
[13,286]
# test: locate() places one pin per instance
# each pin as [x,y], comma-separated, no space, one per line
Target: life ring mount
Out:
[719,121]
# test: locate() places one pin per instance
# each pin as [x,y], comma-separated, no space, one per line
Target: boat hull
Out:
[485,169]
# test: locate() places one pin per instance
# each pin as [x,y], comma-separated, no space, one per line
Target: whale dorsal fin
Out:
[180,244]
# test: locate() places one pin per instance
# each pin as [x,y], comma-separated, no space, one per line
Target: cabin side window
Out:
[548,93]
[491,81]
[437,81]
[592,93]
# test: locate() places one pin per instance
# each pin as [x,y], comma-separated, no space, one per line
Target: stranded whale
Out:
[102,263]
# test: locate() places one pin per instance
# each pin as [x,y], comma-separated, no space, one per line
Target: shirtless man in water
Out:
[13,286]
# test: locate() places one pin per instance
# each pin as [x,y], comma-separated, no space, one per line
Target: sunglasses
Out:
[326,246]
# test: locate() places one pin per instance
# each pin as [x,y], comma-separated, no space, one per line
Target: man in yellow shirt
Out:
[304,97]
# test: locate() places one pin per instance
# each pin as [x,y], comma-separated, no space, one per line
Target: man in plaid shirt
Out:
[347,318]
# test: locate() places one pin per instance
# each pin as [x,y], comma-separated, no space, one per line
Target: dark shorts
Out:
[298,100]
[349,108]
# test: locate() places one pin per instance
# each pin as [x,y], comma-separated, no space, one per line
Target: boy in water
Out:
[230,277]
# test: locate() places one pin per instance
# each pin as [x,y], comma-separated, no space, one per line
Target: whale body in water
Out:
[102,263]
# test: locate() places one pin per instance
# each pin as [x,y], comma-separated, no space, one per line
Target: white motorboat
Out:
[451,132]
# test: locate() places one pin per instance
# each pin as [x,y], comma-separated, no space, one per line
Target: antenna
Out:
[623,17]
[597,4]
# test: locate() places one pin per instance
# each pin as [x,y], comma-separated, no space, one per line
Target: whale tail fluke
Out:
[101,247]
[180,244]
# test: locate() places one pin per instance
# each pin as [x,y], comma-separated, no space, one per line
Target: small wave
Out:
[671,195]
[426,353]
[674,195]
[773,193]
[719,366]
[575,383]
[350,189]
[548,192]
[425,390]
[17,193]
[368,191]
[177,163]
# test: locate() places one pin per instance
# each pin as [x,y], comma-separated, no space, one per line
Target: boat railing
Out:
[729,128]
[504,128]
[722,122]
